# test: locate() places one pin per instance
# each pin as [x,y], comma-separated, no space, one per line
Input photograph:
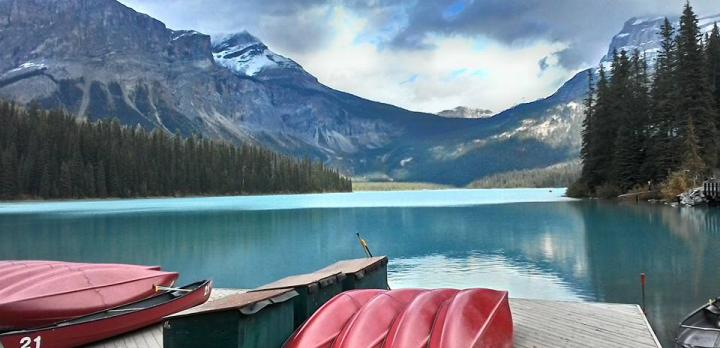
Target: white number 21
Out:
[26,341]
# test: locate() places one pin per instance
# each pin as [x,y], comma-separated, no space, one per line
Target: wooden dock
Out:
[540,323]
[537,324]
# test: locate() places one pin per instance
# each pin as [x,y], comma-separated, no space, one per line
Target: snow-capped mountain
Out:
[246,55]
[643,34]
[100,59]
[465,112]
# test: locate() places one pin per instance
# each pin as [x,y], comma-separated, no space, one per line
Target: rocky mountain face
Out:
[100,59]
[465,112]
[642,34]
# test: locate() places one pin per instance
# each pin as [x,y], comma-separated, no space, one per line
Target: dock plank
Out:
[537,324]
[541,323]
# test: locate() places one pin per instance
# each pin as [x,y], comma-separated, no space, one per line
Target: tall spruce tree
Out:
[603,133]
[640,120]
[627,147]
[587,152]
[712,54]
[663,143]
[696,103]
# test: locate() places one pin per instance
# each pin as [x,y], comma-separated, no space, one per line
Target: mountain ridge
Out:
[101,59]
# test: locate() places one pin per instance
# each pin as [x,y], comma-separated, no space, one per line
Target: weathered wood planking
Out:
[538,324]
[557,324]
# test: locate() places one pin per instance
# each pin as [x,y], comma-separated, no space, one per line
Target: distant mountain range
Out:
[99,59]
[466,112]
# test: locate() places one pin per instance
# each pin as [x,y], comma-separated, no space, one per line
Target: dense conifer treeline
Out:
[49,154]
[645,128]
[559,175]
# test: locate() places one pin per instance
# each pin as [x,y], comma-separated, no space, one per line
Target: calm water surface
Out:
[534,243]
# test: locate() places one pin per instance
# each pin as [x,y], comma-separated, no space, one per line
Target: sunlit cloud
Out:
[456,71]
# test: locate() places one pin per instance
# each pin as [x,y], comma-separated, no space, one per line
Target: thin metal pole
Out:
[642,283]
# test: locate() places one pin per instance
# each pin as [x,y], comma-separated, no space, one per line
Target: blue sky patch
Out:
[454,10]
[410,80]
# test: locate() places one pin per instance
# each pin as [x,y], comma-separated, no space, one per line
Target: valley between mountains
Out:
[100,59]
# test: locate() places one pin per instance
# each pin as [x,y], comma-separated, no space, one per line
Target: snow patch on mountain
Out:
[23,70]
[29,66]
[245,55]
[179,34]
[466,112]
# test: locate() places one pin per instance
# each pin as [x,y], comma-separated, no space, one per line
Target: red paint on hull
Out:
[410,318]
[38,293]
[99,326]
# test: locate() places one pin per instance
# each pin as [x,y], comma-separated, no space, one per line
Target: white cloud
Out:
[456,71]
[345,49]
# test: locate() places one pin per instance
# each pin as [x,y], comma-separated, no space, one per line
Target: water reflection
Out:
[676,247]
[480,270]
[562,250]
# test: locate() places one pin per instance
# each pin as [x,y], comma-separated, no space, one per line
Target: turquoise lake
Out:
[533,242]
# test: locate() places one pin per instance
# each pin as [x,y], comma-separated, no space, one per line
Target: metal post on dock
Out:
[642,284]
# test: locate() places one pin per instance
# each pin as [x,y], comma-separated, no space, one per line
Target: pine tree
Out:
[663,143]
[696,104]
[66,181]
[713,60]
[604,132]
[587,152]
[8,173]
[100,181]
[627,147]
[641,119]
[45,185]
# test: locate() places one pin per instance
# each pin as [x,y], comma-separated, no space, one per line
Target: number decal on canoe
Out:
[26,342]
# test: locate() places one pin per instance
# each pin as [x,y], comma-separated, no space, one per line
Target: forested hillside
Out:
[642,129]
[50,154]
[559,175]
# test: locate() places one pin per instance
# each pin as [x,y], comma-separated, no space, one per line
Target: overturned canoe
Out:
[444,318]
[37,293]
[112,322]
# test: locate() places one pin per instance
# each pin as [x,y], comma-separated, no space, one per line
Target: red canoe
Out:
[37,293]
[444,318]
[112,322]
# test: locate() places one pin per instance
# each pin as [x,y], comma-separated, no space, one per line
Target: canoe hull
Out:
[443,318]
[39,293]
[81,331]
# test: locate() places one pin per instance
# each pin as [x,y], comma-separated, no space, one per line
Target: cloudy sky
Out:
[427,55]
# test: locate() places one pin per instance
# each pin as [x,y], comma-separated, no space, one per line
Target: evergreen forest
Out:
[53,155]
[654,125]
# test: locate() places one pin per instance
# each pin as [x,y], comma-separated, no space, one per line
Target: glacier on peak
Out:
[246,55]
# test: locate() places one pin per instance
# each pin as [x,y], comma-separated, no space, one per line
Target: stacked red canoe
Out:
[37,293]
[443,318]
